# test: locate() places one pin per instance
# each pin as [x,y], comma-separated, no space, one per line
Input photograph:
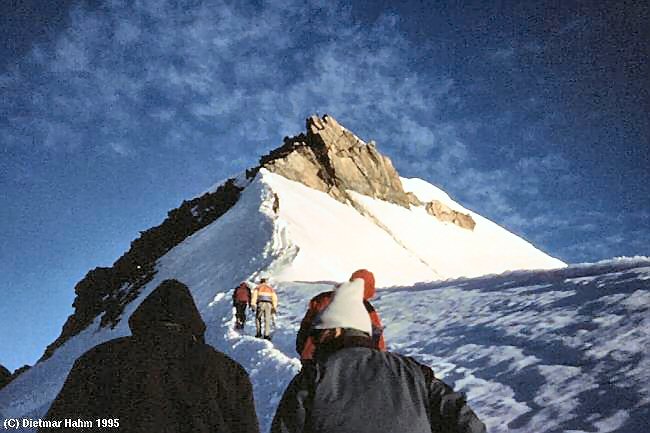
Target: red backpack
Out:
[242,293]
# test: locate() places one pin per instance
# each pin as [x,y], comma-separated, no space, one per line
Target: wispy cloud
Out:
[550,162]
[226,81]
[122,149]
[502,54]
[222,72]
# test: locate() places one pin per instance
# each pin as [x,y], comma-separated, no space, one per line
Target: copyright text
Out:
[15,423]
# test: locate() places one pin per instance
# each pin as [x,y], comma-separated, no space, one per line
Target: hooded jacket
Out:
[353,388]
[161,379]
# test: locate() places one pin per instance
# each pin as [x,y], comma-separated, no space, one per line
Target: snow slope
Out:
[451,250]
[333,239]
[537,351]
[566,350]
[407,246]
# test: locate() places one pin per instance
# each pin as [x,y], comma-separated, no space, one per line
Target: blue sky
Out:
[533,114]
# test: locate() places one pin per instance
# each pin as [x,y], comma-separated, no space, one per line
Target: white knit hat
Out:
[346,310]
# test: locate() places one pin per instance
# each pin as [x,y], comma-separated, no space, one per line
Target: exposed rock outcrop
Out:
[20,371]
[4,376]
[108,290]
[444,213]
[331,159]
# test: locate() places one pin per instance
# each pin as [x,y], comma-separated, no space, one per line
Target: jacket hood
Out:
[171,303]
[346,309]
[368,282]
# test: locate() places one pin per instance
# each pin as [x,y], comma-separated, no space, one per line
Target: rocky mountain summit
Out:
[331,159]
[327,157]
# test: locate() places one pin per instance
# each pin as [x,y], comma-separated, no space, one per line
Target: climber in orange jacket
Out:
[265,303]
[305,343]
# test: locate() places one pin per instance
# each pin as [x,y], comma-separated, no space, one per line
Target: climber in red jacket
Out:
[241,298]
[305,343]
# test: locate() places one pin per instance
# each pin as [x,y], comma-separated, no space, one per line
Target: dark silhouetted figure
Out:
[163,378]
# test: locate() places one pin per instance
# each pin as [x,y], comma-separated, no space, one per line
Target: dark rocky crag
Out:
[327,157]
[331,159]
[6,376]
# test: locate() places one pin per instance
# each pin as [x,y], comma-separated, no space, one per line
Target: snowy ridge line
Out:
[213,259]
[241,181]
[280,248]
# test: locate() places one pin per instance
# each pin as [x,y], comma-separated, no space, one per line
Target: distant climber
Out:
[305,344]
[163,378]
[265,303]
[351,387]
[241,299]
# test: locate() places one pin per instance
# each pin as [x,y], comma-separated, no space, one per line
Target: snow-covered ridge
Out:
[535,350]
[302,234]
[332,160]
[488,249]
[403,245]
[240,181]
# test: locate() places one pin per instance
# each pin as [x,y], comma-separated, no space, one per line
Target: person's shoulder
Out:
[322,296]
[219,359]
[104,354]
[411,363]
[110,347]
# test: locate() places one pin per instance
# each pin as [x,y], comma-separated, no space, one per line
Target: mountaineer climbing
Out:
[351,387]
[265,303]
[305,344]
[241,298]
